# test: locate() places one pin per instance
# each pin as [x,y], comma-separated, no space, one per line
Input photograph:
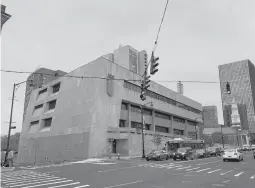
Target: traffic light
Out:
[228,88]
[142,96]
[154,64]
[146,82]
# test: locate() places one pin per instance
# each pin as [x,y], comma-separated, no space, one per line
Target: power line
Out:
[103,78]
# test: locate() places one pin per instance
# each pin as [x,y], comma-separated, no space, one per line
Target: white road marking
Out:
[209,162]
[226,172]
[27,181]
[48,183]
[116,169]
[124,184]
[213,171]
[203,170]
[75,183]
[192,169]
[238,174]
[81,186]
[226,181]
[45,181]
[252,177]
[183,168]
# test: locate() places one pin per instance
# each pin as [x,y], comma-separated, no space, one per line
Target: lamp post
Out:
[142,108]
[15,87]
[222,137]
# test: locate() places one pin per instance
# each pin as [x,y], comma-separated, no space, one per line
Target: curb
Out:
[7,169]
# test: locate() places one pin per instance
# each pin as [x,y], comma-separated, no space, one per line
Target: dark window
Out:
[180,120]
[42,91]
[161,129]
[147,127]
[135,109]
[191,123]
[122,123]
[178,132]
[47,122]
[56,88]
[34,122]
[38,106]
[52,104]
[124,106]
[147,112]
[135,124]
[161,115]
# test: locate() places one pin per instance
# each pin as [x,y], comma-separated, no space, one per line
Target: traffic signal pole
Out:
[143,152]
[10,127]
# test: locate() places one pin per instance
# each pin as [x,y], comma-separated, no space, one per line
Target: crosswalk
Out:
[30,179]
[196,169]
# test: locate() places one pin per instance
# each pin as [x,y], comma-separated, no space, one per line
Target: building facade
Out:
[4,16]
[73,117]
[210,116]
[241,76]
[39,78]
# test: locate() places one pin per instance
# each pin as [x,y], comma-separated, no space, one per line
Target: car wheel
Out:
[175,158]
[224,160]
[147,159]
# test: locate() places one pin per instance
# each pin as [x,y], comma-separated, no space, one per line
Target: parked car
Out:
[214,151]
[157,155]
[182,154]
[232,154]
[254,154]
[200,153]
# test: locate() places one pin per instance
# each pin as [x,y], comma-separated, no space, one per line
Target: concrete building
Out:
[85,117]
[4,16]
[241,76]
[39,78]
[210,116]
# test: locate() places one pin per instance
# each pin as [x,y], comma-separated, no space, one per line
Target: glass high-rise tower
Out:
[241,76]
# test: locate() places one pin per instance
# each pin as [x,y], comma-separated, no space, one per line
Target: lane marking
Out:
[48,183]
[75,183]
[17,182]
[183,168]
[203,170]
[252,177]
[192,169]
[226,181]
[81,186]
[238,174]
[125,184]
[226,172]
[116,169]
[213,171]
[37,182]
[209,162]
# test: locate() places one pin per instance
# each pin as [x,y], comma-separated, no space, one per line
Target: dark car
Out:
[214,151]
[182,154]
[157,155]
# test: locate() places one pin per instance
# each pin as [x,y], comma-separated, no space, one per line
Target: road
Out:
[204,173]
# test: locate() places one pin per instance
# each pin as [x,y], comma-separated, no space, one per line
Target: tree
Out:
[14,142]
[157,140]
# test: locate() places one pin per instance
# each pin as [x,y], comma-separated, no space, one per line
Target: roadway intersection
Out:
[204,173]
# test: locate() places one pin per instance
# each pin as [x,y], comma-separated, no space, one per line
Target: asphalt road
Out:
[204,173]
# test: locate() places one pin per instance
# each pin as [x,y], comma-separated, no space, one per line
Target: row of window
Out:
[55,89]
[162,98]
[138,125]
[46,122]
[51,105]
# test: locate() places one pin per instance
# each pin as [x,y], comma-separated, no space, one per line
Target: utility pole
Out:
[10,122]
[222,137]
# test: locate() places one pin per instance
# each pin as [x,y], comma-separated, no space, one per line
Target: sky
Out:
[196,37]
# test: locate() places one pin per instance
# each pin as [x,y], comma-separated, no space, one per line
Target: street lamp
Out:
[15,87]
[142,107]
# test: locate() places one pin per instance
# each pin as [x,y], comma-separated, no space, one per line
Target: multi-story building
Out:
[39,78]
[77,116]
[241,76]
[210,116]
[4,16]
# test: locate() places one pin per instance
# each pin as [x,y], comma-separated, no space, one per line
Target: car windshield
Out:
[230,150]
[200,151]
[181,150]
[211,149]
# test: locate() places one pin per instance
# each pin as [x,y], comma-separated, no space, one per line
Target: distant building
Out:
[39,78]
[4,16]
[79,118]
[210,116]
[241,76]
[180,88]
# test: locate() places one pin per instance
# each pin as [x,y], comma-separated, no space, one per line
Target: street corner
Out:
[7,169]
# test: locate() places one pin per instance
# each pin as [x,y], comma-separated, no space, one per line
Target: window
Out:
[52,104]
[191,123]
[161,129]
[34,123]
[47,122]
[135,109]
[38,106]
[178,132]
[135,124]
[163,116]
[56,88]
[180,120]
[122,123]
[42,91]
[124,106]
[147,112]
[135,88]
[147,127]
